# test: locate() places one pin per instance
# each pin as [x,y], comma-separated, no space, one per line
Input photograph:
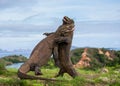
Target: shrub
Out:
[50,64]
[2,67]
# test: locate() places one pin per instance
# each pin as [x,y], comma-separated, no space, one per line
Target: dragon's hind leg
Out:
[38,71]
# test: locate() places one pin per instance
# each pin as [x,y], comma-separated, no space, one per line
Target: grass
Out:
[86,78]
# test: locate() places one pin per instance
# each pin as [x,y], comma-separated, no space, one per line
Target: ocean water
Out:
[16,65]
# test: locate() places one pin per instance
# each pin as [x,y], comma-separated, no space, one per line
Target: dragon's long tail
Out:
[25,76]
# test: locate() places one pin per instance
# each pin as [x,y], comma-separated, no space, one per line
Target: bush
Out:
[95,65]
[117,54]
[2,67]
[50,64]
[76,55]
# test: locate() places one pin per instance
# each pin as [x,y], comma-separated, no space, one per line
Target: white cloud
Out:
[26,42]
[24,20]
[81,10]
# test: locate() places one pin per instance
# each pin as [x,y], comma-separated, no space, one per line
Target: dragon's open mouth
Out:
[70,24]
[66,19]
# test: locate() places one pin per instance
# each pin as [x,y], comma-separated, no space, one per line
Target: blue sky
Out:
[22,22]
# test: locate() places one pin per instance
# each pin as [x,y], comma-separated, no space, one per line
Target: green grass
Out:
[86,78]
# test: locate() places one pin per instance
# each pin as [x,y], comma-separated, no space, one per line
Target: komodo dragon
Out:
[64,54]
[61,52]
[41,54]
[66,21]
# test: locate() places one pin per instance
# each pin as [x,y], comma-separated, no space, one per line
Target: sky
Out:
[22,22]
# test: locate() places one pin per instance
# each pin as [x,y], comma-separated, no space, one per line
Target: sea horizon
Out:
[27,52]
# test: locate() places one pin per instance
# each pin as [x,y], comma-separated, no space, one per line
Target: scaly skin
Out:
[41,54]
[64,54]
[61,52]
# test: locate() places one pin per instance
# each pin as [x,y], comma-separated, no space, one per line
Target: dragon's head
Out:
[67,20]
[68,25]
[66,28]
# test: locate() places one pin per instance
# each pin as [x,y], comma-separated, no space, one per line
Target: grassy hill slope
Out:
[98,59]
[8,60]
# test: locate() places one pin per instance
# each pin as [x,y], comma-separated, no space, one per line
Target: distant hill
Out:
[94,57]
[73,47]
[8,60]
[24,52]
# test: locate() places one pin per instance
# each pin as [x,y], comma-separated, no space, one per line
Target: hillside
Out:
[88,77]
[94,57]
[8,60]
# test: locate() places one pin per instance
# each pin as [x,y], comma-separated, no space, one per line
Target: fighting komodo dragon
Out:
[66,21]
[61,52]
[64,54]
[41,54]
